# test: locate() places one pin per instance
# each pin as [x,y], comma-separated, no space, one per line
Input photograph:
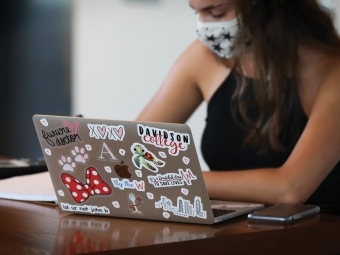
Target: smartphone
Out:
[284,212]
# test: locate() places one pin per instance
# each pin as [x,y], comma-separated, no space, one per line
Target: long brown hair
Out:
[271,30]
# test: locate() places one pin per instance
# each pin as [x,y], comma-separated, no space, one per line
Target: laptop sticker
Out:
[60,136]
[162,154]
[79,156]
[136,203]
[116,204]
[108,169]
[184,208]
[67,164]
[185,191]
[72,127]
[186,160]
[172,179]
[126,184]
[81,192]
[138,173]
[44,122]
[142,157]
[122,152]
[115,133]
[149,195]
[166,215]
[105,151]
[93,209]
[163,138]
[48,152]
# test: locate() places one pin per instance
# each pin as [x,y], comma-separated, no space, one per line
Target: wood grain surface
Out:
[36,228]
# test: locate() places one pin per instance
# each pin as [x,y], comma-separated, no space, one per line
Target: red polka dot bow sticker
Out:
[94,185]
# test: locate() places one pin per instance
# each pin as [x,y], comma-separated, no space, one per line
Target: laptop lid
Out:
[124,169]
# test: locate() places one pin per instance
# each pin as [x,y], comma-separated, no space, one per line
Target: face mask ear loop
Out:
[199,22]
[198,18]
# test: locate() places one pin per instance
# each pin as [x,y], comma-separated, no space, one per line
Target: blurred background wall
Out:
[100,58]
[122,51]
[35,39]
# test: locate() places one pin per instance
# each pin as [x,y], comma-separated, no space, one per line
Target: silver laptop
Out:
[129,169]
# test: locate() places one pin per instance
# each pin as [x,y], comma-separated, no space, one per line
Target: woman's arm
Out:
[179,95]
[193,78]
[314,156]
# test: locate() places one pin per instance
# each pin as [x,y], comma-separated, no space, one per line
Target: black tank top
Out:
[222,146]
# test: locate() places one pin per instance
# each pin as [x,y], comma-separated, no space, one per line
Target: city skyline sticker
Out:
[183,208]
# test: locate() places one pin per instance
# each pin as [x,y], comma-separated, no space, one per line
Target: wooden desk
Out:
[30,228]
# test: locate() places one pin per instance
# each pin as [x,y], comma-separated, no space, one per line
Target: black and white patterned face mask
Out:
[218,36]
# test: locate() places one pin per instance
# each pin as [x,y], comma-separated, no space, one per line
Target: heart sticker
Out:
[119,132]
[88,147]
[186,160]
[122,152]
[162,154]
[166,215]
[48,152]
[116,204]
[61,193]
[185,191]
[138,173]
[108,169]
[44,122]
[72,127]
[102,131]
[149,195]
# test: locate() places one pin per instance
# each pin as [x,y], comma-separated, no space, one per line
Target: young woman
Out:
[270,73]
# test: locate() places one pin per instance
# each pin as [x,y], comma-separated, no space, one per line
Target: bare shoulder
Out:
[331,75]
[194,77]
[207,69]
[198,49]
[181,85]
[198,56]
[317,72]
[327,93]
[329,88]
